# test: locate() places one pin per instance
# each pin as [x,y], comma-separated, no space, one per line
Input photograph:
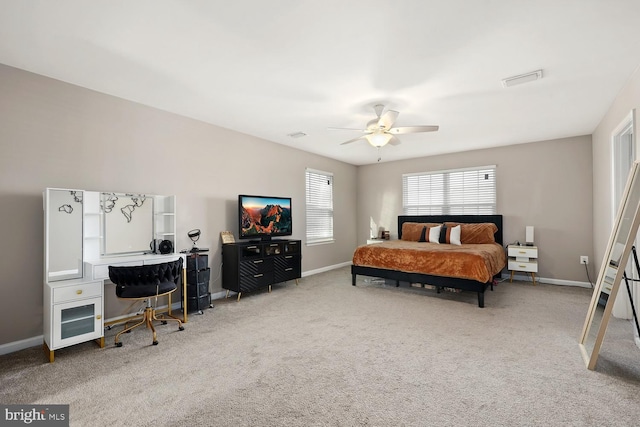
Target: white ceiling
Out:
[270,68]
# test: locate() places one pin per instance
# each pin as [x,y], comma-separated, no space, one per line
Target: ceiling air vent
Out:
[296,134]
[522,78]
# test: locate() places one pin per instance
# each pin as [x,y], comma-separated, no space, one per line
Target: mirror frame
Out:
[112,246]
[49,211]
[614,261]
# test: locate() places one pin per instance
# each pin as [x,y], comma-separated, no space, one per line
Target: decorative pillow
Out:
[450,234]
[476,233]
[433,234]
[423,235]
[411,231]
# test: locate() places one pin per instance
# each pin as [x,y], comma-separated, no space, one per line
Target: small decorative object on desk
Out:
[385,235]
[227,237]
[194,235]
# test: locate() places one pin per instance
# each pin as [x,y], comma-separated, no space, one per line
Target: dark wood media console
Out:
[247,266]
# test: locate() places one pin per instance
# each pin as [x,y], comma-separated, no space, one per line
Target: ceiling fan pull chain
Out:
[379,157]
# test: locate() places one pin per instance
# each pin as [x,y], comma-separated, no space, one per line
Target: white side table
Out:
[523,258]
[372,241]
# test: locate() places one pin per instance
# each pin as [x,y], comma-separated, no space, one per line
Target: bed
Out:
[471,266]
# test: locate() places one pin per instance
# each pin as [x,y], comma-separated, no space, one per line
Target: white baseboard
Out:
[218,295]
[527,278]
[324,269]
[21,345]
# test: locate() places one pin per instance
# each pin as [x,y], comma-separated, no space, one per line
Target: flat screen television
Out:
[263,217]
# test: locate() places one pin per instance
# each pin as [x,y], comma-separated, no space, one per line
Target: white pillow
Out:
[434,234]
[454,235]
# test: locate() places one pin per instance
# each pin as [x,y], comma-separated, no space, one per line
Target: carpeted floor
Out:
[326,353]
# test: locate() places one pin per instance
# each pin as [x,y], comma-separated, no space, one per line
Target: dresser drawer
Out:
[256,281]
[256,266]
[523,251]
[75,292]
[529,266]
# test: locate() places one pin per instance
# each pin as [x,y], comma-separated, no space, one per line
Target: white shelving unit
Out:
[164,208]
[92,225]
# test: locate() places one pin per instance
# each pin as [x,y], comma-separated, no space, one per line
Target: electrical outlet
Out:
[584,259]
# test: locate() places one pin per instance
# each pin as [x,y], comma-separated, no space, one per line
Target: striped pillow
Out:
[450,235]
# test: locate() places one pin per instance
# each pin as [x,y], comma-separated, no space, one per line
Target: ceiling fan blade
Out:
[394,141]
[388,119]
[359,130]
[413,129]
[352,140]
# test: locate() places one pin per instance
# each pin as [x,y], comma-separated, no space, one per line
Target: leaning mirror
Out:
[623,234]
[127,221]
[63,225]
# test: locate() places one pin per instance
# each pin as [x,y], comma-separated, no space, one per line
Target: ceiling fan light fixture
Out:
[378,139]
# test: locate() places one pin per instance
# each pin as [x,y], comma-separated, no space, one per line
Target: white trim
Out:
[473,168]
[624,126]
[523,278]
[217,295]
[12,347]
[320,242]
[324,269]
[318,171]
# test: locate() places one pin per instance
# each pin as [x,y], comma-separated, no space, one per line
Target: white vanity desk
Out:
[98,270]
[76,273]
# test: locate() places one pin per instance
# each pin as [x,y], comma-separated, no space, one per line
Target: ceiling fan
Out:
[380,131]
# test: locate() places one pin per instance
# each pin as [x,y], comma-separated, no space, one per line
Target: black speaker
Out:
[165,247]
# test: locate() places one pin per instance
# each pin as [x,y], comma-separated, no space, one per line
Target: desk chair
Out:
[144,282]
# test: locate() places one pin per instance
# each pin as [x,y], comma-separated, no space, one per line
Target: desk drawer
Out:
[101,271]
[530,266]
[75,292]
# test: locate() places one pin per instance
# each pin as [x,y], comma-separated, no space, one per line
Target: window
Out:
[453,192]
[319,187]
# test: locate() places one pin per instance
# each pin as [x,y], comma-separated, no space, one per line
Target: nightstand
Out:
[523,258]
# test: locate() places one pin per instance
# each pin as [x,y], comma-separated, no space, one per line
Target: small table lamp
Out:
[529,235]
[194,235]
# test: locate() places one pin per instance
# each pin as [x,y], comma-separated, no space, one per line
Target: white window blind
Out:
[469,191]
[319,187]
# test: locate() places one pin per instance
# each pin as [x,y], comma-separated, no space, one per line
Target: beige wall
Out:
[53,134]
[546,184]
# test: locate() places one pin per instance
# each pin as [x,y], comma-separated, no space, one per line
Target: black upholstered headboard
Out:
[496,219]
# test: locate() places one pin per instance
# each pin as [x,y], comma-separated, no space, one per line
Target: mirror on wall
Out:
[63,216]
[127,221]
[625,229]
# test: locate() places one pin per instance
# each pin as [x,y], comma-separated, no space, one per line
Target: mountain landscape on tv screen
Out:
[271,219]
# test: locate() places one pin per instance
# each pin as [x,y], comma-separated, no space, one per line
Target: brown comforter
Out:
[468,261]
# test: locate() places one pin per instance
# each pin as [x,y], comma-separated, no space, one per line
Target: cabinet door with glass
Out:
[73,314]
[77,322]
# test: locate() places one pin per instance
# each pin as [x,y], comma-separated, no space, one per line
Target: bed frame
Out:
[438,281]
